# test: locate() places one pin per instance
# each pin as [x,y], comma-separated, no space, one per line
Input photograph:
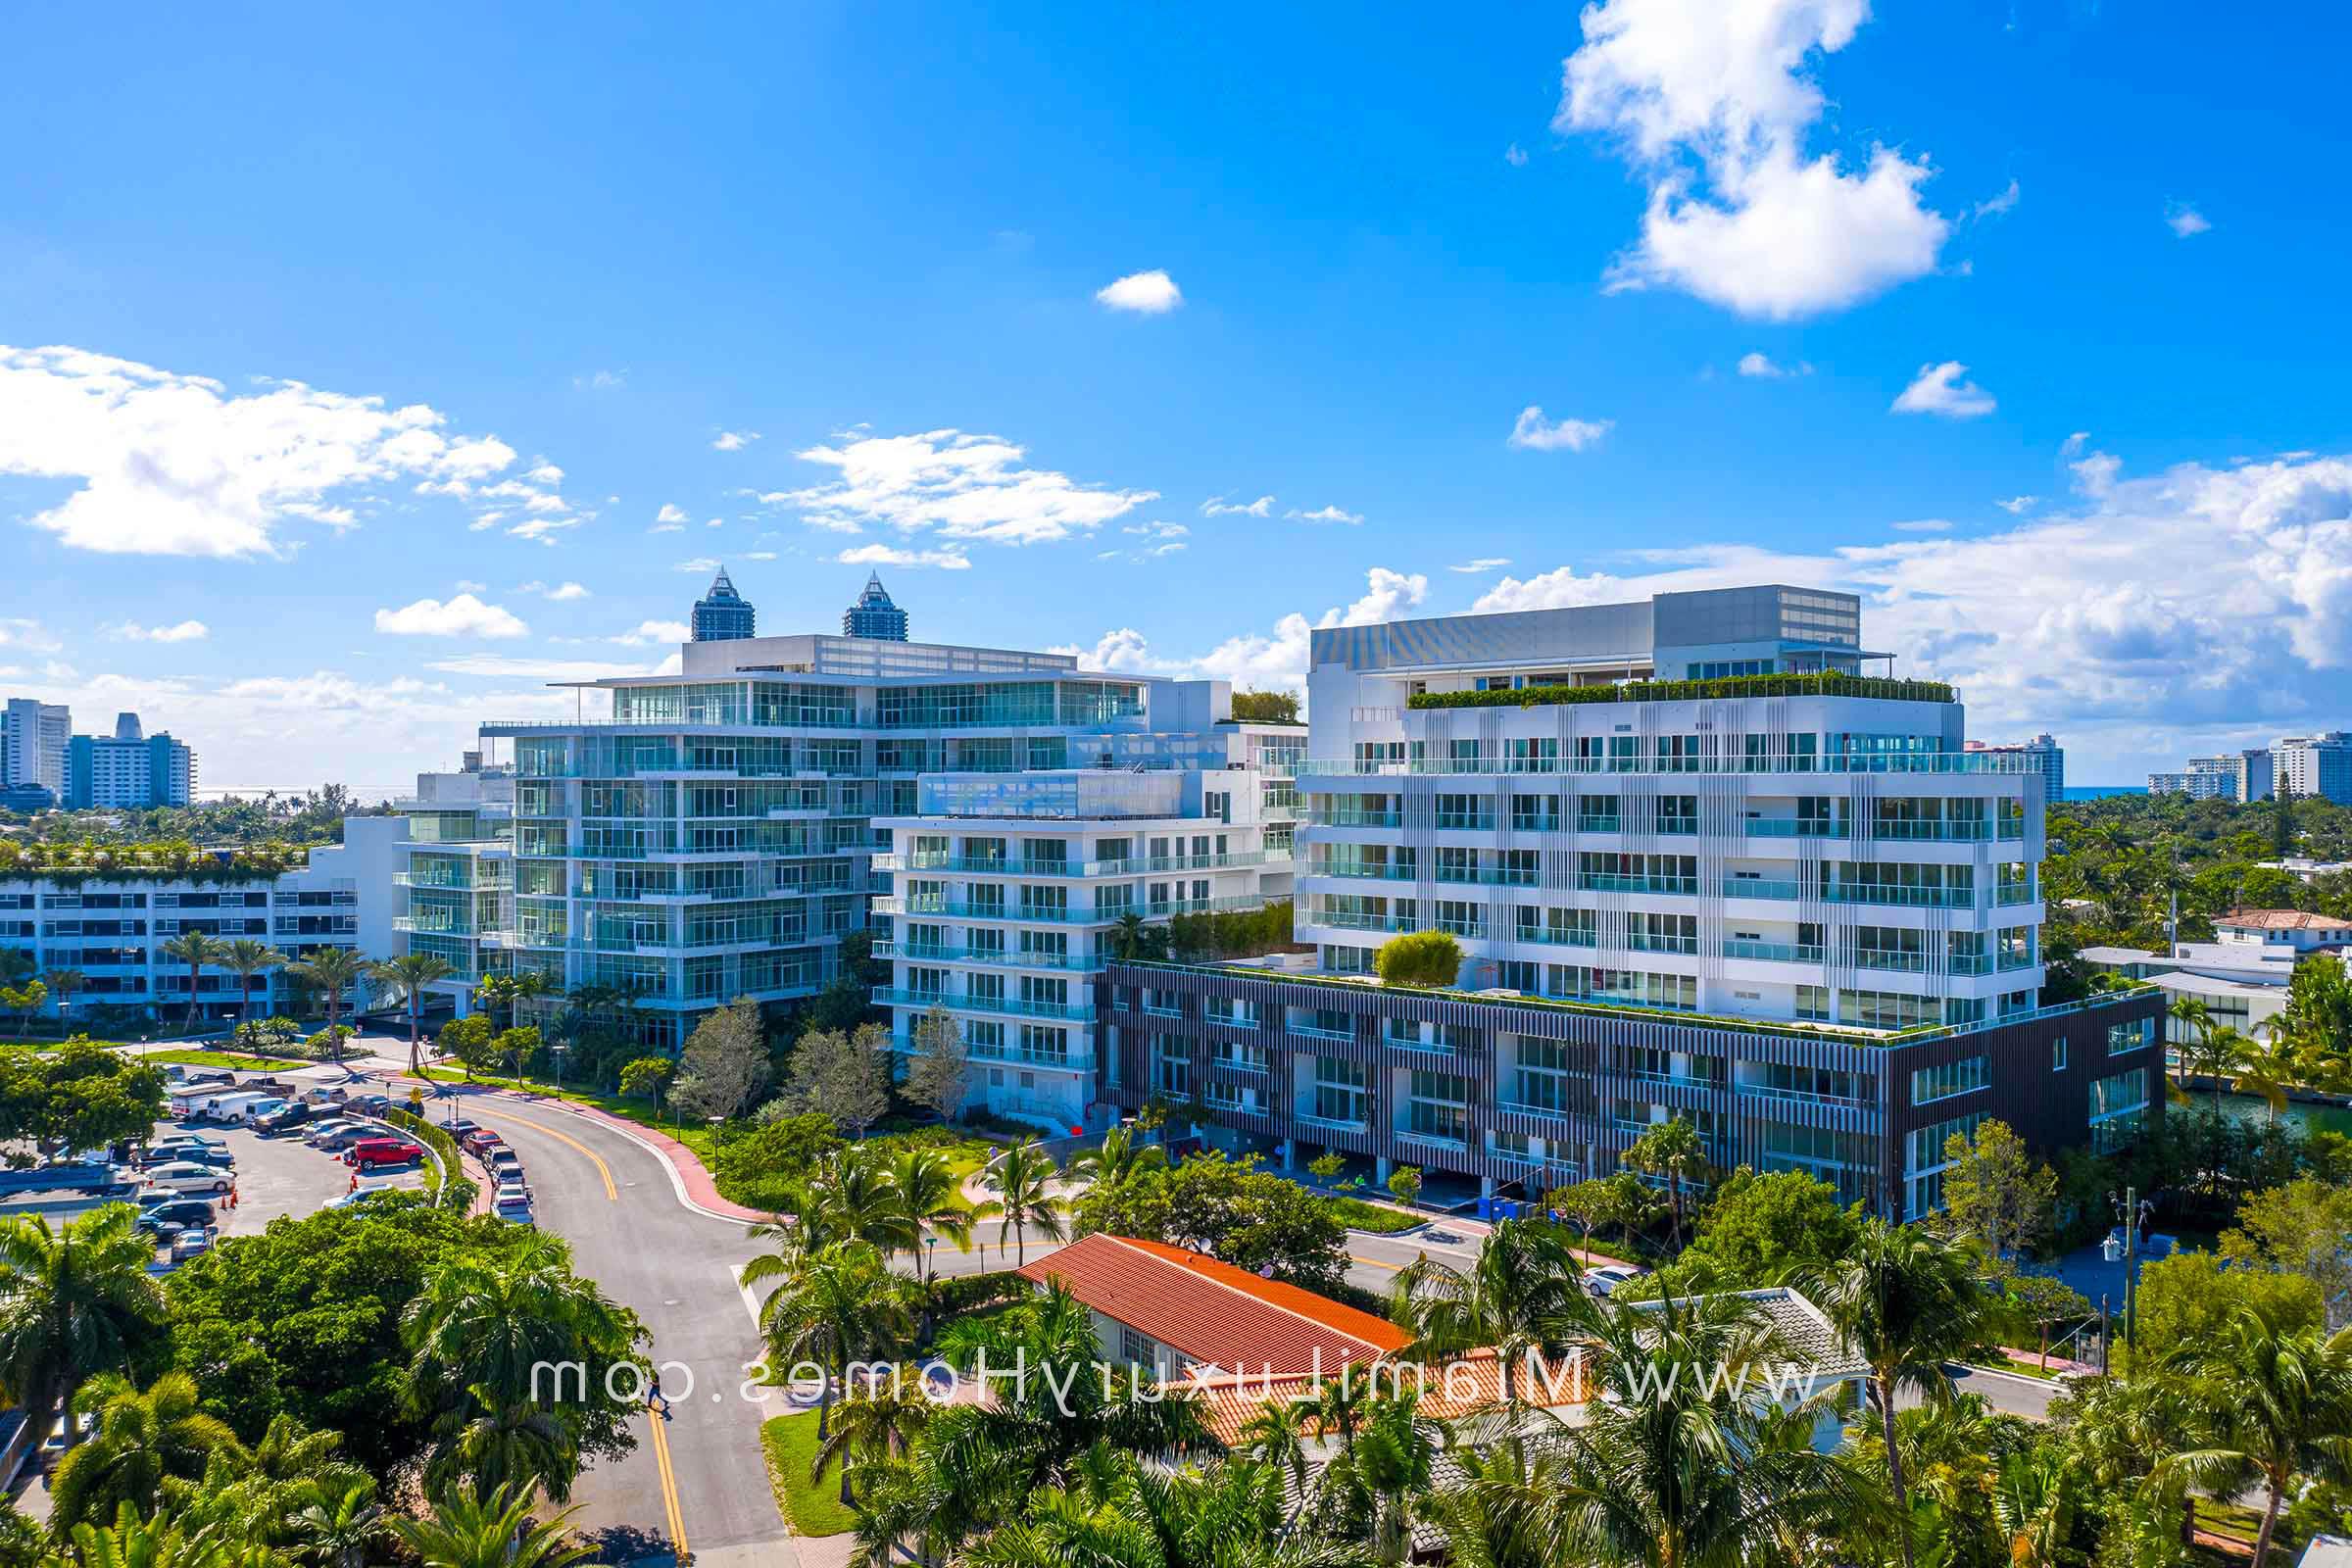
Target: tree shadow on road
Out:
[620,1544]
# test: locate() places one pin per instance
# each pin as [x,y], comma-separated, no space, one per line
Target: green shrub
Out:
[1419,959]
[1684,691]
[759,1165]
[953,1295]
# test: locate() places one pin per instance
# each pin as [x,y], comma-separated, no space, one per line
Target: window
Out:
[1438,1107]
[1949,1080]
[1342,1089]
[2058,1054]
[1171,1069]
[2119,1110]
[1925,1163]
[1136,1349]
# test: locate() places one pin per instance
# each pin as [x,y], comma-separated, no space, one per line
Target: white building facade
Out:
[2316,764]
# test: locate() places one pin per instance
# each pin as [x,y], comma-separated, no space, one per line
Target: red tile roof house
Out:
[1238,1342]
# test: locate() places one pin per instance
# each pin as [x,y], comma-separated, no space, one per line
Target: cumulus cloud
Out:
[1515,156]
[1714,106]
[167,464]
[699,564]
[733,440]
[2082,621]
[1532,432]
[461,615]
[656,631]
[187,631]
[1152,293]
[1762,368]
[600,380]
[948,559]
[1923,525]
[2184,221]
[1483,563]
[1275,659]
[560,592]
[1219,507]
[1939,389]
[2016,506]
[1326,515]
[965,487]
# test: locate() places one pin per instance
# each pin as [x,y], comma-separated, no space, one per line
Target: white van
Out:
[253,1108]
[229,1107]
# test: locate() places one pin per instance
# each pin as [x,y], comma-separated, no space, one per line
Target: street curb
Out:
[677,1177]
[2056,1382]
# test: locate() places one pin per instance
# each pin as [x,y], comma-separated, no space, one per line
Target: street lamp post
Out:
[930,1244]
[2127,1212]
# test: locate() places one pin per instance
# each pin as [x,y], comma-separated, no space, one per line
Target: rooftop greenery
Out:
[2122,991]
[153,861]
[1684,691]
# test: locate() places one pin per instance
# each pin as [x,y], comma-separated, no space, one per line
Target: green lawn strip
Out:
[696,1139]
[812,1507]
[1358,1215]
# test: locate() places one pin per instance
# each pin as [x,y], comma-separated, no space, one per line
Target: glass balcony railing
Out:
[1556,936]
[1490,877]
[1362,870]
[1602,882]
[1137,866]
[1013,958]
[1772,952]
[888,997]
[1787,827]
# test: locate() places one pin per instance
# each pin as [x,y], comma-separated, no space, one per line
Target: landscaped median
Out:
[812,1506]
[448,1173]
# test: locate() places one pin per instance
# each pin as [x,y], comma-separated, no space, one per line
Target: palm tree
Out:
[1019,1179]
[2033,1501]
[1276,1437]
[502,1443]
[1131,938]
[1523,1296]
[333,971]
[73,1302]
[469,1529]
[246,959]
[835,1305]
[2270,1066]
[1906,1302]
[2278,1403]
[1673,1151]
[1675,1472]
[928,1195]
[851,1195]
[407,976]
[874,1425]
[2220,1054]
[1388,1465]
[493,992]
[63,983]
[335,1529]
[2195,1020]
[1121,1154]
[195,948]
[141,1439]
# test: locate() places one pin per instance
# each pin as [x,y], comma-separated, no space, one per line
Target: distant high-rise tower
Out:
[873,614]
[722,615]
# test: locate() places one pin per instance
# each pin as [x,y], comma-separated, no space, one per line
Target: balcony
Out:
[1133,865]
[1603,882]
[1432,1140]
[1489,876]
[1902,896]
[1932,832]
[1903,963]
[1556,937]
[1640,942]
[1600,824]
[1358,922]
[1318,1032]
[1466,821]
[1338,1124]
[1362,870]
[1783,827]
[1772,952]
[1329,819]
[887,997]
[920,908]
[1011,959]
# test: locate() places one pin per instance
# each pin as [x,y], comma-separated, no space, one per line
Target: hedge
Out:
[1684,691]
[450,1179]
[955,1295]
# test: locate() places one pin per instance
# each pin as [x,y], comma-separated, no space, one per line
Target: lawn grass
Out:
[696,1139]
[224,1059]
[1358,1215]
[2024,1369]
[810,1507]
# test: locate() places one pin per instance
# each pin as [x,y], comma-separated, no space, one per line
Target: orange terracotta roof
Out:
[2280,921]
[1212,1313]
[1449,1390]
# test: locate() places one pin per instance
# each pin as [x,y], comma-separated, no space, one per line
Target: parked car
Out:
[285,1120]
[187,1176]
[461,1129]
[510,1184]
[503,1164]
[186,1147]
[345,1134]
[175,1215]
[190,1245]
[370,1153]
[179,1075]
[1606,1278]
[515,1209]
[53,1447]
[324,1127]
[478,1140]
[367,1105]
[360,1194]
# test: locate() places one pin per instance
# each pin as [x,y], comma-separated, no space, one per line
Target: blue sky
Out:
[344,344]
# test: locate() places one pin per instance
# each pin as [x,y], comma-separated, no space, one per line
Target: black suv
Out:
[183,1213]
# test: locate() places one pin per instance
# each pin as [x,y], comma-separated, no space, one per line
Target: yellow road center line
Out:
[669,1486]
[602,1169]
[1374,1262]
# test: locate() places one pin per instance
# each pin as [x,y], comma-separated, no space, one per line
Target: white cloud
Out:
[1532,432]
[600,380]
[733,440]
[1515,156]
[699,564]
[1713,104]
[1941,389]
[461,615]
[1923,525]
[1152,293]
[1158,530]
[2184,221]
[1274,660]
[670,513]
[1764,368]
[546,473]
[543,529]
[466,586]
[949,560]
[560,593]
[175,465]
[27,634]
[958,485]
[1326,515]
[656,631]
[1483,563]
[1262,507]
[2016,506]
[2086,621]
[187,631]
[1998,206]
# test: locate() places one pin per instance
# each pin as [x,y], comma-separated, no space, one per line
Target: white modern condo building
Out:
[712,836]
[1809,850]
[1011,891]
